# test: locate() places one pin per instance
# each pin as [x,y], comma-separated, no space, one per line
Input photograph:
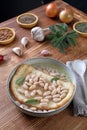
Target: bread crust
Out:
[25,69]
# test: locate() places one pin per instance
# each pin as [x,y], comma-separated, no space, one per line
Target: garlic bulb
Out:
[45,53]
[24,41]
[38,34]
[17,51]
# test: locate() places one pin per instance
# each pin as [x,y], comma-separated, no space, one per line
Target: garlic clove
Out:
[45,53]
[24,41]
[17,51]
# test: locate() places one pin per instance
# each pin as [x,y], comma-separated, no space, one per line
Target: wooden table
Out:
[10,117]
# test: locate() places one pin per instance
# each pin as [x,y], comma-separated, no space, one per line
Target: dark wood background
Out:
[12,8]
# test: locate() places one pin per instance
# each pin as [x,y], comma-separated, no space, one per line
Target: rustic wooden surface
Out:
[10,117]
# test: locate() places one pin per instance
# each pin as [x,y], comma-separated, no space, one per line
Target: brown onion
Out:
[51,10]
[66,15]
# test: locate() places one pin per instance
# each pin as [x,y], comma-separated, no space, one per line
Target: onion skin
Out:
[66,15]
[51,10]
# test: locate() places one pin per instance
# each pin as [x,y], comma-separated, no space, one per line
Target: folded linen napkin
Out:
[79,104]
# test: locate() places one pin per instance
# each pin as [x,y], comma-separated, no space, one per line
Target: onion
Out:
[51,10]
[66,15]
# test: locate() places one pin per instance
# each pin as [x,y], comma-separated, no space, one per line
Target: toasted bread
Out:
[36,89]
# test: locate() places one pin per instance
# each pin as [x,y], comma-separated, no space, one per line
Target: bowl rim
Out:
[74,27]
[10,39]
[25,24]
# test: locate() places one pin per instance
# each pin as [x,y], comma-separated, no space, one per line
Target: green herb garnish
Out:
[61,38]
[55,78]
[32,101]
[20,81]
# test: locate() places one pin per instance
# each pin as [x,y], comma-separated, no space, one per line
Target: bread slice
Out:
[36,89]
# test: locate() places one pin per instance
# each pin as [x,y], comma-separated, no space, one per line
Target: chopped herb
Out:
[55,78]
[32,101]
[20,81]
[82,27]
[27,19]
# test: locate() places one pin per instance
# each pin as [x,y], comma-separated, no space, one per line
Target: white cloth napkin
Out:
[79,104]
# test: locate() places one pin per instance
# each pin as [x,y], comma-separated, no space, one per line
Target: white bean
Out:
[46,93]
[50,88]
[36,83]
[35,79]
[58,90]
[25,86]
[32,87]
[63,95]
[42,84]
[56,99]
[64,91]
[33,93]
[42,79]
[27,94]
[38,98]
[56,96]
[53,86]
[54,92]
[21,91]
[48,97]
[39,92]
[28,84]
[45,100]
[54,83]
[46,86]
[27,78]
[31,81]
[43,105]
[58,83]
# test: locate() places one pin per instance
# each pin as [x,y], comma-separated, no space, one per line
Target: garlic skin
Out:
[24,41]
[17,51]
[45,53]
[37,34]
